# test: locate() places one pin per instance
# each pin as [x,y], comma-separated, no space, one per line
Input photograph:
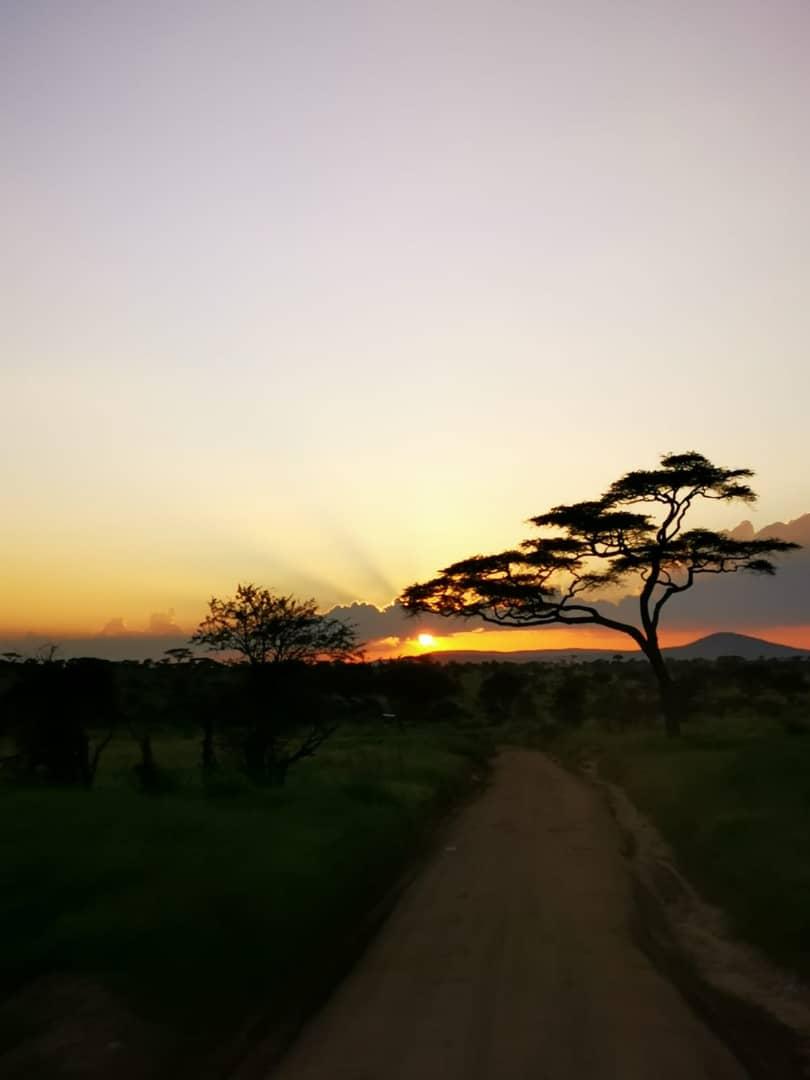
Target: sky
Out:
[327,295]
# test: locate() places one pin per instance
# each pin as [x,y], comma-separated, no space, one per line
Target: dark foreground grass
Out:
[734,803]
[200,906]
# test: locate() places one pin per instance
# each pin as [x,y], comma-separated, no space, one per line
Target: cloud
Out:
[133,646]
[163,624]
[745,600]
[160,624]
[373,623]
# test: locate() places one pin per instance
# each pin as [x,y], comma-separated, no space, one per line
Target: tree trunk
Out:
[98,750]
[85,764]
[147,769]
[208,756]
[667,690]
[671,705]
[255,749]
[278,772]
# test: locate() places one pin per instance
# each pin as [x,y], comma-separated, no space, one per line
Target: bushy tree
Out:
[282,707]
[569,698]
[634,535]
[500,691]
[61,716]
[417,687]
[261,627]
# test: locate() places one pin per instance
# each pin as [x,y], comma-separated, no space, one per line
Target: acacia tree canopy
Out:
[264,628]
[633,536]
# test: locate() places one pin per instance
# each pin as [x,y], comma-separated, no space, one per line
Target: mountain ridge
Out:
[797,530]
[710,647]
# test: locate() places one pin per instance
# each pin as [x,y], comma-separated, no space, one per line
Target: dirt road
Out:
[511,958]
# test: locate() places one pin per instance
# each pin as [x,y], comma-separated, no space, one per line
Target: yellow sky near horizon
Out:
[72,591]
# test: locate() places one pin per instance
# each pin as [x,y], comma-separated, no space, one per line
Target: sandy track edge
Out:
[759,1010]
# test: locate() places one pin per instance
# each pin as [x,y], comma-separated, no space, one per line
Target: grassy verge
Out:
[199,905]
[735,806]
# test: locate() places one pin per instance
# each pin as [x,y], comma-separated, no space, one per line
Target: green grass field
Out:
[201,905]
[733,800]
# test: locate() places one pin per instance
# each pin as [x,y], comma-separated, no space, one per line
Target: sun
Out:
[426,640]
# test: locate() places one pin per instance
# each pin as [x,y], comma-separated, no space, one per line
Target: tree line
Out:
[288,679]
[59,717]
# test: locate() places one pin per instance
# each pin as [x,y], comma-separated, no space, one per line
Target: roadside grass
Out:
[201,904]
[733,800]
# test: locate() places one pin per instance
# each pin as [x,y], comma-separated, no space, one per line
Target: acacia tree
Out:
[283,716]
[634,535]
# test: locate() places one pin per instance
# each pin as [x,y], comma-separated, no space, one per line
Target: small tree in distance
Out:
[608,543]
[263,628]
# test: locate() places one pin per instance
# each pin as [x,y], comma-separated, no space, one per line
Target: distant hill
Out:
[705,648]
[749,648]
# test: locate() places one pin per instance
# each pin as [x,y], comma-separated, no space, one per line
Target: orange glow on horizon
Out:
[426,642]
[560,638]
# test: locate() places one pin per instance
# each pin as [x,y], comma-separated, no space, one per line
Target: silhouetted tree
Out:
[180,655]
[499,692]
[569,699]
[263,628]
[417,687]
[143,703]
[608,543]
[62,716]
[283,709]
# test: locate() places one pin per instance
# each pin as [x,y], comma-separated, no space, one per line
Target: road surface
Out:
[510,957]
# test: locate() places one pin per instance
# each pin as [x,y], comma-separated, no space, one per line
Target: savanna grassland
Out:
[215,903]
[207,903]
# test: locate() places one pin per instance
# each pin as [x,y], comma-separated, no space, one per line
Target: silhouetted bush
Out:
[500,691]
[61,716]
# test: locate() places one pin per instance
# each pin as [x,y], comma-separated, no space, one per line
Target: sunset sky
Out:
[326,295]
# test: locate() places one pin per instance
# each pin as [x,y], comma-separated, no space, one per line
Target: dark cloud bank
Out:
[726,602]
